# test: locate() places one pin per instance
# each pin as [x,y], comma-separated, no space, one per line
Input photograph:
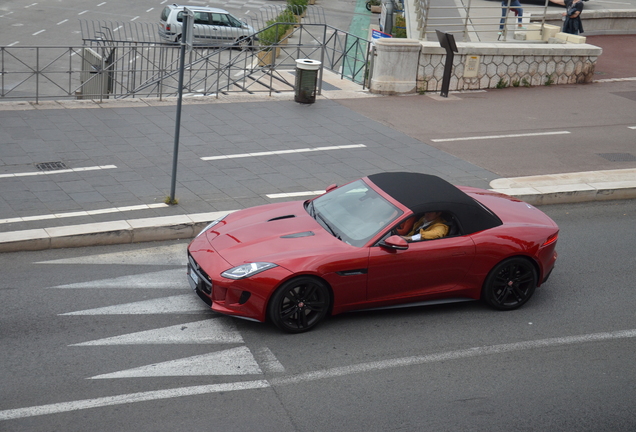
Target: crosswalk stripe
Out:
[174,254]
[186,303]
[209,331]
[235,361]
[166,279]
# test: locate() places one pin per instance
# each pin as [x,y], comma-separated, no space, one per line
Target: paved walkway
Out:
[113,161]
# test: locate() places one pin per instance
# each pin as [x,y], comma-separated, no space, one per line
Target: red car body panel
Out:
[365,277]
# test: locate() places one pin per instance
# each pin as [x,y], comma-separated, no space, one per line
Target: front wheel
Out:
[244,43]
[510,284]
[299,304]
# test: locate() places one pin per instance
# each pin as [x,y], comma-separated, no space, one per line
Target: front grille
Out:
[205,282]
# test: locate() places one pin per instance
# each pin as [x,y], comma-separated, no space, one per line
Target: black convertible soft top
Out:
[425,192]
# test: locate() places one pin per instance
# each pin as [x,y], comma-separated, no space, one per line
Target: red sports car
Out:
[296,262]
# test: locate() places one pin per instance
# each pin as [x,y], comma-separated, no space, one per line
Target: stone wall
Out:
[420,67]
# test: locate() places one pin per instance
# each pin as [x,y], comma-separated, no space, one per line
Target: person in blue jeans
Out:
[504,12]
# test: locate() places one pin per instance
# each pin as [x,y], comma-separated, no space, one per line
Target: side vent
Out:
[281,217]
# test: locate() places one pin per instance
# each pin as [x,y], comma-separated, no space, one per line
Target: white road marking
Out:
[268,361]
[235,361]
[62,22]
[279,152]
[185,303]
[135,18]
[62,171]
[130,398]
[28,6]
[167,279]
[632,127]
[295,194]
[500,136]
[151,9]
[103,3]
[38,32]
[310,376]
[14,43]
[209,331]
[83,213]
[162,255]
[82,13]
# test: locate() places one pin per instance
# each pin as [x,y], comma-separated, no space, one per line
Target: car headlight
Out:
[247,270]
[211,224]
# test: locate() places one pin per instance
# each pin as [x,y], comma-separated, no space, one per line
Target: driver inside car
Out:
[428,227]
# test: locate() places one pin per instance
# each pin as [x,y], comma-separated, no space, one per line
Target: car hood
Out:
[276,233]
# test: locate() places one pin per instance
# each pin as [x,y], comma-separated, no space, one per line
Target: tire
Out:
[244,43]
[299,304]
[510,284]
[369,6]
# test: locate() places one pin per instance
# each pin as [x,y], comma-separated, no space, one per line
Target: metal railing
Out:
[106,68]
[472,22]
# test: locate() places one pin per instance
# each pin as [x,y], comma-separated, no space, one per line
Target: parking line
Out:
[38,32]
[279,152]
[631,127]
[501,136]
[83,213]
[63,171]
[62,22]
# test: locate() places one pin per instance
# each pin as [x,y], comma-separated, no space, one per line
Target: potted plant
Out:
[298,7]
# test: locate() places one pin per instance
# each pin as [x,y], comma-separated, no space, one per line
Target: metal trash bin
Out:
[306,79]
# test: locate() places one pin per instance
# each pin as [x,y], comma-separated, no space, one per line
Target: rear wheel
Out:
[299,304]
[510,284]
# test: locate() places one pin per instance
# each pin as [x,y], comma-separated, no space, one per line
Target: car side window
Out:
[202,18]
[220,19]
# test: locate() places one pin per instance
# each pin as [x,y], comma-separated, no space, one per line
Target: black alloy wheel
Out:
[299,304]
[510,284]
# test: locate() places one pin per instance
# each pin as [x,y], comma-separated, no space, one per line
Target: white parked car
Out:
[211,26]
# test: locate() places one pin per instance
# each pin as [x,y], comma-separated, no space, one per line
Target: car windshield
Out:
[354,213]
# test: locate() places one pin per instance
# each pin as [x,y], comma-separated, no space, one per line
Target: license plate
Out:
[195,278]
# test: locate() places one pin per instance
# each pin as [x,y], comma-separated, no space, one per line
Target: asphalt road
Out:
[112,338]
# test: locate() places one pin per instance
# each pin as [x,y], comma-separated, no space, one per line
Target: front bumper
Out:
[243,298]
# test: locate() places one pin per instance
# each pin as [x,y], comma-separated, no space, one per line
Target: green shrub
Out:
[502,83]
[399,30]
[298,7]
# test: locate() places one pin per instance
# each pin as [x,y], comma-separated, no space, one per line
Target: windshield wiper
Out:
[326,225]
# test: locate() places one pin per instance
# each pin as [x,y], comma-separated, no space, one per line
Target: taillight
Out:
[553,238]
[167,27]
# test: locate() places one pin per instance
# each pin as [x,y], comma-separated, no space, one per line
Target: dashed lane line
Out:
[280,152]
[83,213]
[310,376]
[501,136]
[62,171]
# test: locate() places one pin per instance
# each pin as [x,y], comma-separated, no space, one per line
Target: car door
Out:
[427,269]
[204,28]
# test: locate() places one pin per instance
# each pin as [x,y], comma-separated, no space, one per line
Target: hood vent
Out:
[298,235]
[281,217]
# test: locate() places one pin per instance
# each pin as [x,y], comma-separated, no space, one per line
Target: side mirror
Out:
[395,242]
[331,187]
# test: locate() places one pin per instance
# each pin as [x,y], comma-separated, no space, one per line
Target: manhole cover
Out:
[50,166]
[618,157]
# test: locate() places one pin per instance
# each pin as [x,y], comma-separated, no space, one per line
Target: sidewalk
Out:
[245,150]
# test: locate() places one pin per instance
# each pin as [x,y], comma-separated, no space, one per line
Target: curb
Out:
[108,233]
[535,190]
[570,187]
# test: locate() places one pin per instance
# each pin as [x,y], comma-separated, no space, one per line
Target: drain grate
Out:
[618,157]
[50,166]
